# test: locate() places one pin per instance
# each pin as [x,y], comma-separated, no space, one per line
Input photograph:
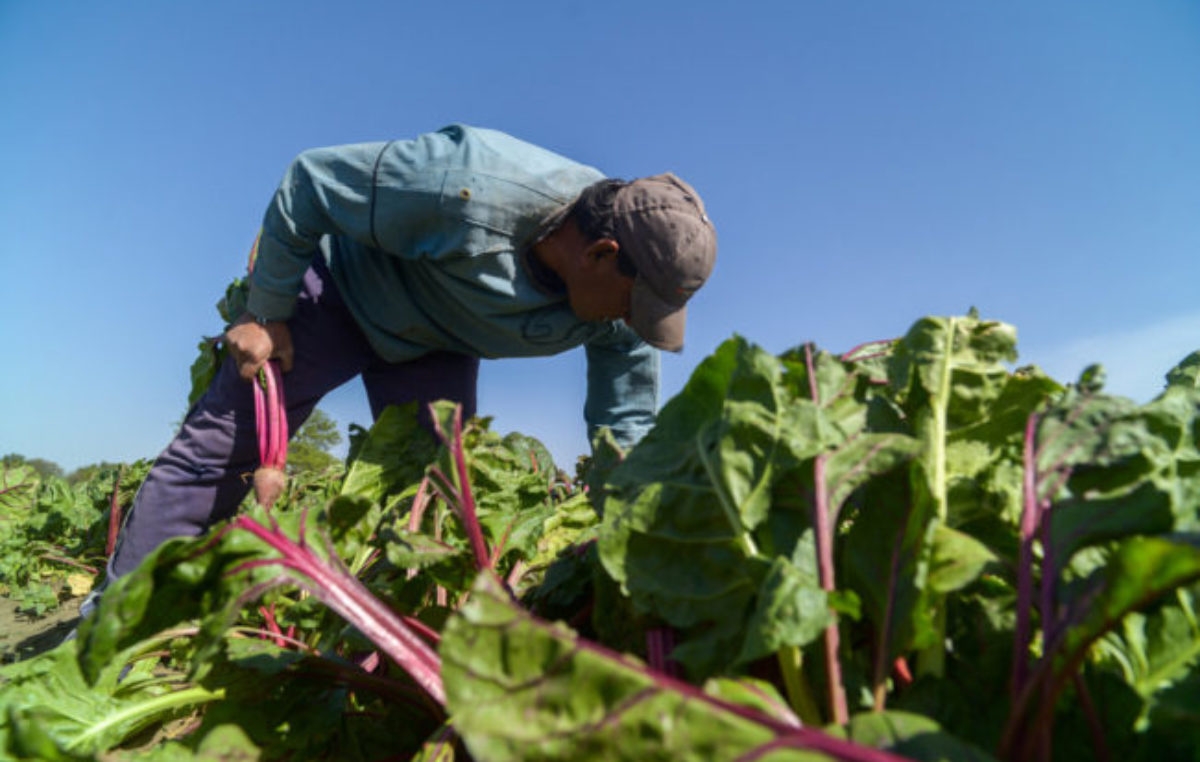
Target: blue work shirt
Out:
[429,243]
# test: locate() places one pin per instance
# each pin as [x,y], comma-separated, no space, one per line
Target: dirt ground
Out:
[23,636]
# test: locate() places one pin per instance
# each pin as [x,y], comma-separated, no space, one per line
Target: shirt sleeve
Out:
[622,390]
[325,191]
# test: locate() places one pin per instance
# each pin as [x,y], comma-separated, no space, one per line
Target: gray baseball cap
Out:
[662,228]
[661,224]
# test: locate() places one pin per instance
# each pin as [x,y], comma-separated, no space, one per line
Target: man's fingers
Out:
[248,369]
[252,344]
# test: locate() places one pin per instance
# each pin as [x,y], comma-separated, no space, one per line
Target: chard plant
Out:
[911,550]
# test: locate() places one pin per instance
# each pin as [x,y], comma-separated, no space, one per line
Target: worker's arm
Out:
[364,192]
[622,390]
[325,191]
[378,194]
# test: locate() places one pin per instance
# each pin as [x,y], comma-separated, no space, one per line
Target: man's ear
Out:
[599,250]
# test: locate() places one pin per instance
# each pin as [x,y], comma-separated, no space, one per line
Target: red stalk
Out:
[370,662]
[114,516]
[420,503]
[260,420]
[69,562]
[470,520]
[273,625]
[885,634]
[515,574]
[1095,726]
[276,419]
[439,592]
[499,549]
[433,636]
[1030,518]
[1048,615]
[823,526]
[281,428]
[270,418]
[660,642]
[465,504]
[347,596]
[654,655]
[849,355]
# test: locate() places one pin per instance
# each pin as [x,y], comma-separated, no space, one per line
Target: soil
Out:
[23,635]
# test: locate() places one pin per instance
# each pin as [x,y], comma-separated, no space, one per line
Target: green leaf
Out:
[1120,469]
[1187,373]
[183,579]
[595,470]
[48,710]
[521,689]
[412,550]
[755,694]
[233,303]
[1157,652]
[225,743]
[673,533]
[1078,523]
[886,559]
[791,610]
[864,458]
[911,735]
[1138,572]
[204,368]
[393,457]
[352,522]
[948,373]
[958,559]
[18,490]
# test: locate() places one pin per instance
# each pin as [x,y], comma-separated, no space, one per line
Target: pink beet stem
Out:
[1030,518]
[272,415]
[281,427]
[114,517]
[260,419]
[825,532]
[274,423]
[350,598]
[470,520]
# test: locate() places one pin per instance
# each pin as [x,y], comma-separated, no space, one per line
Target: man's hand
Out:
[252,345]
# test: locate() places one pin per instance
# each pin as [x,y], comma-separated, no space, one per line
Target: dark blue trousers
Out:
[204,474]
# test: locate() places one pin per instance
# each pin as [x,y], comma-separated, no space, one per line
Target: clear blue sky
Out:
[866,163]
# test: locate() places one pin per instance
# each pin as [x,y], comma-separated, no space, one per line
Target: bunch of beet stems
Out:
[270,419]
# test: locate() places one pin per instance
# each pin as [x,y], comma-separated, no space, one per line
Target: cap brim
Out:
[660,323]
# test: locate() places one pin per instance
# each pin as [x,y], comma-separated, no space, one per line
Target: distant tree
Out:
[45,468]
[310,448]
[89,472]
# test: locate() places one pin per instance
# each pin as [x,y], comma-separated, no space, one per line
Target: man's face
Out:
[599,291]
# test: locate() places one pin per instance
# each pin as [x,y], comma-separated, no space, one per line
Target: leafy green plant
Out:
[909,550]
